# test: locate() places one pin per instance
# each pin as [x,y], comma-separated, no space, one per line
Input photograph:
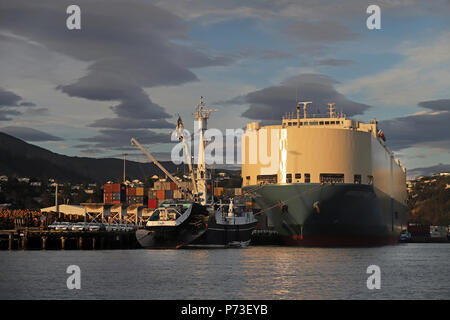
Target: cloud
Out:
[8,98]
[213,11]
[441,104]
[264,54]
[333,62]
[422,73]
[120,139]
[428,171]
[35,112]
[126,123]
[128,47]
[425,128]
[29,134]
[272,103]
[320,31]
[9,102]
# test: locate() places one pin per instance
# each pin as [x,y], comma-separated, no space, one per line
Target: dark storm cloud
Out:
[430,128]
[272,103]
[320,31]
[333,62]
[5,113]
[29,134]
[125,123]
[8,98]
[129,46]
[9,104]
[120,139]
[442,104]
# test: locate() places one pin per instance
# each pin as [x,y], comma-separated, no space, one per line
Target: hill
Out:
[429,200]
[21,159]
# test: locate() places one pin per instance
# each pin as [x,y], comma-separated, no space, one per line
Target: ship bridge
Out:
[331,119]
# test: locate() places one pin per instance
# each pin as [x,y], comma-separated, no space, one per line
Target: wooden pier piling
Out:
[37,238]
[44,242]
[80,243]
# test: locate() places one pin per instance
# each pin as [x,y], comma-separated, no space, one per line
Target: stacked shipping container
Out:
[114,193]
[136,196]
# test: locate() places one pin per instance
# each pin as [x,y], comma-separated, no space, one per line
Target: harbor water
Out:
[408,271]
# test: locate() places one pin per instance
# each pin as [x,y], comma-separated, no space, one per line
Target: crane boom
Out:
[179,133]
[148,154]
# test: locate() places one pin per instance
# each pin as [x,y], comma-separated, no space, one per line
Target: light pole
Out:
[124,161]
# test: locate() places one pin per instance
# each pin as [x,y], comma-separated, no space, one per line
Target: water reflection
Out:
[413,271]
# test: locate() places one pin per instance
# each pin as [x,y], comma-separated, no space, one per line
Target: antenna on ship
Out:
[331,108]
[305,105]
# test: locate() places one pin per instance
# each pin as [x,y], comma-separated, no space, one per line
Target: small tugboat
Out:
[230,226]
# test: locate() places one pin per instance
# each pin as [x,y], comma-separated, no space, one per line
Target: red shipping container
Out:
[160,194]
[173,186]
[107,187]
[152,203]
[131,191]
[117,187]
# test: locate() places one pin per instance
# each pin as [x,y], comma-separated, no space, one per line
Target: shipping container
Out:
[131,191]
[177,194]
[162,185]
[151,194]
[218,191]
[152,203]
[140,191]
[113,187]
[173,186]
[160,194]
[168,194]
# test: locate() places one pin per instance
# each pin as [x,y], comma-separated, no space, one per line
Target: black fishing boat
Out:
[230,225]
[173,225]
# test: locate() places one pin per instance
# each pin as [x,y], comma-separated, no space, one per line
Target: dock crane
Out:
[148,154]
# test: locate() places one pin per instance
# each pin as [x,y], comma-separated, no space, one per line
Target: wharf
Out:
[38,238]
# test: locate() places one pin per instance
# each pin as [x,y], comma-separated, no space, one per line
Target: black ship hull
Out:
[167,237]
[225,235]
[332,215]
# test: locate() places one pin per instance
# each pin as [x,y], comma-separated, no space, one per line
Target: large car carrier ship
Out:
[325,180]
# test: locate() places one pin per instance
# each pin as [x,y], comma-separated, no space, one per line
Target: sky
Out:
[136,64]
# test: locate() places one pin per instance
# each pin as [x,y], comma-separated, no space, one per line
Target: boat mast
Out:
[202,115]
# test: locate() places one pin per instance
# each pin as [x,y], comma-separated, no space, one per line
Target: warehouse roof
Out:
[66,209]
